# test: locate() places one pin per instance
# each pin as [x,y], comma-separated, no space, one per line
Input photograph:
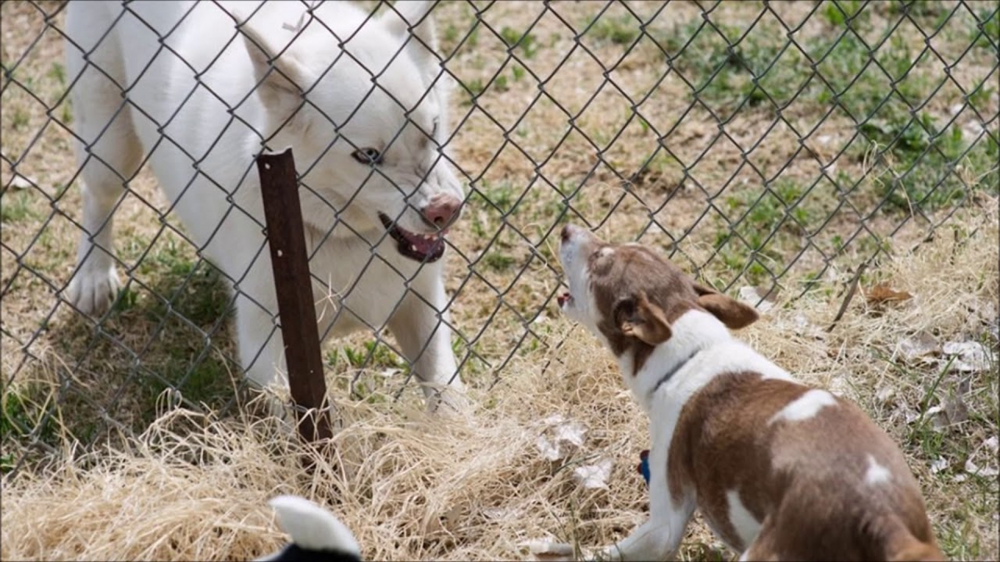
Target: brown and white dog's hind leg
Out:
[762,548]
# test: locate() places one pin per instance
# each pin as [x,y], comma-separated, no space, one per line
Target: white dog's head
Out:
[363,103]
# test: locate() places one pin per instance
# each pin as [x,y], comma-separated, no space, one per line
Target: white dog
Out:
[362,104]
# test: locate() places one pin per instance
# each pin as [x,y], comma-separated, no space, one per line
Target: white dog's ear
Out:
[281,80]
[409,17]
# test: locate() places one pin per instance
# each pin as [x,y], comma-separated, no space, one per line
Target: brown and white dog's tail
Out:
[905,547]
[917,551]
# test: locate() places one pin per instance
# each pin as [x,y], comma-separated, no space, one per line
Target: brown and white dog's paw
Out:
[546,551]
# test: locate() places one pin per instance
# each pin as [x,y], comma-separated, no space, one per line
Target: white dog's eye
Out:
[367,156]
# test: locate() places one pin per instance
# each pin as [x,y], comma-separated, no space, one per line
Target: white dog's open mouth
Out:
[419,247]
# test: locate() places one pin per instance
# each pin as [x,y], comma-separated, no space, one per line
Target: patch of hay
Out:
[411,487]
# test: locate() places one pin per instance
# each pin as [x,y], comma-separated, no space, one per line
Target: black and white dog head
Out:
[317,536]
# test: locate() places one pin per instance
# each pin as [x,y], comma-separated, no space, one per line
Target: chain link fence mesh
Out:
[770,147]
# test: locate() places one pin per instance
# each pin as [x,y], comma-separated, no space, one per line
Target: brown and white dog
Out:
[779,470]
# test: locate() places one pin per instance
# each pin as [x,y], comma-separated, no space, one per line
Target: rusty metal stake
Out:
[296,310]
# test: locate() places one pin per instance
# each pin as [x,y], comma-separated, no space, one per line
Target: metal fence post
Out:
[296,310]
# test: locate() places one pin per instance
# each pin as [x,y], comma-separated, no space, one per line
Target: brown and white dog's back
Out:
[779,470]
[804,472]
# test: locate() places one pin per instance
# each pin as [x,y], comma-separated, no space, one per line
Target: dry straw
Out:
[195,488]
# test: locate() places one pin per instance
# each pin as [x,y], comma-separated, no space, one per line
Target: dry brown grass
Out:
[411,488]
[524,163]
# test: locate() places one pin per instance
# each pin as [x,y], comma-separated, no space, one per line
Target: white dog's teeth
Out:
[413,247]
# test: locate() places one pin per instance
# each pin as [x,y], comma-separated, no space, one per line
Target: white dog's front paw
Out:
[449,401]
[93,290]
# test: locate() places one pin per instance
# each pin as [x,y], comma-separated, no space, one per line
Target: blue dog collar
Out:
[644,466]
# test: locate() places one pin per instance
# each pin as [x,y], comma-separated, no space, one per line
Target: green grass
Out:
[982,95]
[772,223]
[475,87]
[450,36]
[986,34]
[372,355]
[126,300]
[620,30]
[57,72]
[179,356]
[498,261]
[858,85]
[925,159]
[876,90]
[177,344]
[473,38]
[516,40]
[500,196]
[19,119]
[201,296]
[19,412]
[955,443]
[839,12]
[724,73]
[66,112]
[376,356]
[495,207]
[16,206]
[22,409]
[926,12]
[205,381]
[473,366]
[764,67]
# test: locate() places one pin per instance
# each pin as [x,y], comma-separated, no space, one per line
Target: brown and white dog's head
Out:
[629,296]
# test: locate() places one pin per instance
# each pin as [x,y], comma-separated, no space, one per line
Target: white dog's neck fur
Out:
[693,333]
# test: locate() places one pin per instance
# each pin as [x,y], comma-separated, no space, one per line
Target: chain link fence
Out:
[768,147]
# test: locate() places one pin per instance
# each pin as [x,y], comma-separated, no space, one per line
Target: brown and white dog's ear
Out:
[733,313]
[646,322]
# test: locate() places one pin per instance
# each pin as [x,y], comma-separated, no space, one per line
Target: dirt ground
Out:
[706,133]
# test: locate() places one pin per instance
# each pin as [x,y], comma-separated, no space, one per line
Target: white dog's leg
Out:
[109,153]
[260,347]
[659,537]
[425,339]
[260,344]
